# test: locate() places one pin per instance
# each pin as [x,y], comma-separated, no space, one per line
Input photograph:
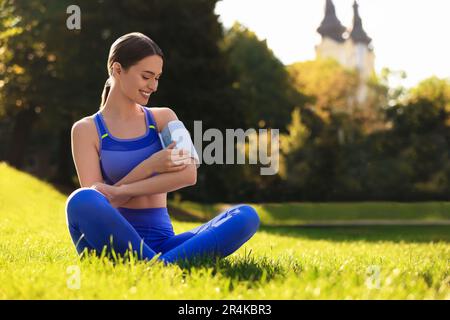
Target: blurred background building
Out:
[351,47]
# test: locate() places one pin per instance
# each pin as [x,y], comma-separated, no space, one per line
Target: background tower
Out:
[352,49]
[331,30]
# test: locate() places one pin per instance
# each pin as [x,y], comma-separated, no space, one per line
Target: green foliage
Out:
[290,146]
[408,160]
[434,90]
[264,91]
[420,137]
[328,84]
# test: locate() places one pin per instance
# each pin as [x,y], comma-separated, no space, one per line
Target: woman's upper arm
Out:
[85,154]
[163,116]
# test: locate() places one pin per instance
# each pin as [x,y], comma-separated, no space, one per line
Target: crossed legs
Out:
[94,224]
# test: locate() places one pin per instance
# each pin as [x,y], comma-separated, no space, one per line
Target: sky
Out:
[408,35]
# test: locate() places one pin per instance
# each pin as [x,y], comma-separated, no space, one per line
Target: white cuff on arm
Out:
[176,131]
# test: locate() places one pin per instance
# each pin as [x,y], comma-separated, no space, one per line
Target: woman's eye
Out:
[146,78]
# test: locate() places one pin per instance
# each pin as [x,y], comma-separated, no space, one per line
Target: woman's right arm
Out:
[163,161]
[84,152]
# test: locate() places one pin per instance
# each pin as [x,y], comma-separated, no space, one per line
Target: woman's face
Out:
[141,79]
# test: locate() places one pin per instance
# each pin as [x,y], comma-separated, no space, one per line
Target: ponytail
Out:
[105,92]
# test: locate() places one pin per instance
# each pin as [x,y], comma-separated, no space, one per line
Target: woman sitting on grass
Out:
[125,173]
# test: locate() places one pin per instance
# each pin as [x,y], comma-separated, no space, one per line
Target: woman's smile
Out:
[145,94]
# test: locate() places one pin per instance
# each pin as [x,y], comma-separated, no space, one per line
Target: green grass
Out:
[38,260]
[281,214]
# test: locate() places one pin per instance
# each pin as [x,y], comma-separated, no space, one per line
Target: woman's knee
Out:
[84,199]
[250,217]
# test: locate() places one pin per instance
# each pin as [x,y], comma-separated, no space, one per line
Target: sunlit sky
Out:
[409,35]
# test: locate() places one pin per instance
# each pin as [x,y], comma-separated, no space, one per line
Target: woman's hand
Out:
[169,159]
[112,193]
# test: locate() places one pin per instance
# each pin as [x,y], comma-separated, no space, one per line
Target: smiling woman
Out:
[125,172]
[124,54]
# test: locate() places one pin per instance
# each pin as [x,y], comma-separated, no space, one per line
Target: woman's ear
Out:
[116,69]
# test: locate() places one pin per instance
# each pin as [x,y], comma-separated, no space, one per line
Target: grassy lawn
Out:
[38,260]
[276,214]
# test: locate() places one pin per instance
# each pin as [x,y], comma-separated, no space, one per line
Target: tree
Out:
[57,75]
[264,90]
[328,85]
[29,70]
[434,90]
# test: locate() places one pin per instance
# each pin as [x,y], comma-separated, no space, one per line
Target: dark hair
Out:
[128,50]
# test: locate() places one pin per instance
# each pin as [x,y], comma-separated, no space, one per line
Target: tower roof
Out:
[358,34]
[331,27]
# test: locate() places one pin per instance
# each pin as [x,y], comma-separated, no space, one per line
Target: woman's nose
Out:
[153,85]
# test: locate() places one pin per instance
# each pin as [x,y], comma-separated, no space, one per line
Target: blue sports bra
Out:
[119,156]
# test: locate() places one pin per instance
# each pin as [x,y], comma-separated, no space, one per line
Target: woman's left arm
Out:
[161,183]
[166,182]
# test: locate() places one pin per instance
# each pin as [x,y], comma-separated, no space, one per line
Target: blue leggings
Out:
[94,225]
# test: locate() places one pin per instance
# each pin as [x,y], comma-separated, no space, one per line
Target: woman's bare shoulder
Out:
[162,116]
[85,128]
[85,124]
